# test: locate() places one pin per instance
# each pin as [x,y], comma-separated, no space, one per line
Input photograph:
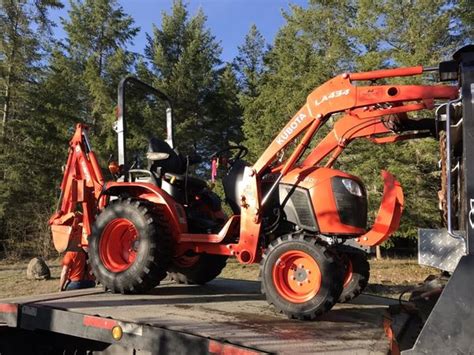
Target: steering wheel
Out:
[241,153]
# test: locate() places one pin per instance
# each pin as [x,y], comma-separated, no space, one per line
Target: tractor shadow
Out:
[389,290]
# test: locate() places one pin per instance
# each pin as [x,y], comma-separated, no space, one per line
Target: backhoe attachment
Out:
[81,189]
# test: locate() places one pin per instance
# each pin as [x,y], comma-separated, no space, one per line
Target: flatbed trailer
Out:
[231,316]
[223,317]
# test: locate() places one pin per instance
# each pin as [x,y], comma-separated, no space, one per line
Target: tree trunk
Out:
[378,253]
[6,105]
[8,80]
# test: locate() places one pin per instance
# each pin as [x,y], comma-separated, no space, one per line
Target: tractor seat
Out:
[194,183]
[171,165]
[162,157]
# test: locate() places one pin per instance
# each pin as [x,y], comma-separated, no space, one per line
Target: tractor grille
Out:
[298,207]
[303,208]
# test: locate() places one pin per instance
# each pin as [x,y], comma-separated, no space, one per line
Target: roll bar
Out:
[120,125]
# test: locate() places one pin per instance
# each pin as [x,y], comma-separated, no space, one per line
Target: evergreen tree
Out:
[466,15]
[306,52]
[249,62]
[408,33]
[93,58]
[21,50]
[250,68]
[25,29]
[226,111]
[79,84]
[184,58]
[46,89]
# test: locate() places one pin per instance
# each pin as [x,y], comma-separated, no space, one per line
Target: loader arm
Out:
[364,102]
[81,185]
[362,105]
[377,129]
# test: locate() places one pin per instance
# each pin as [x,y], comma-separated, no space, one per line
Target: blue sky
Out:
[229,20]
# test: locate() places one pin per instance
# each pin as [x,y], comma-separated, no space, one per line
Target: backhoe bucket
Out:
[67,232]
[390,212]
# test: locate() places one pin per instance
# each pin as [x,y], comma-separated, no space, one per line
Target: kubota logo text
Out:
[290,129]
[332,95]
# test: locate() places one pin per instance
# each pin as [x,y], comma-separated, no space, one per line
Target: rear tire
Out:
[129,252]
[357,272]
[300,277]
[201,270]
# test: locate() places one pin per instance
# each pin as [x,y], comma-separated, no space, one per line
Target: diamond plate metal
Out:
[438,249]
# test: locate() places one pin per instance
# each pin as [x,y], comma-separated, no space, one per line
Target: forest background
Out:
[48,85]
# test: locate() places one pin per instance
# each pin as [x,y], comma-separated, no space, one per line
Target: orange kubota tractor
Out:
[292,213]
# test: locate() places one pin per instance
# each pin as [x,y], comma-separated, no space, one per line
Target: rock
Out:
[37,270]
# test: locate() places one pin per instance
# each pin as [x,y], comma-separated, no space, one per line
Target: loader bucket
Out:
[389,214]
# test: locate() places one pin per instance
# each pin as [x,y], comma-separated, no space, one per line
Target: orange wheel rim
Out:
[349,271]
[118,245]
[296,276]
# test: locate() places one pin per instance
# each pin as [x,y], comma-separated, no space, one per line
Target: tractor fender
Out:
[173,210]
[389,214]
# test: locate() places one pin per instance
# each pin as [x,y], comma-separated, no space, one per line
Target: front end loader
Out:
[293,212]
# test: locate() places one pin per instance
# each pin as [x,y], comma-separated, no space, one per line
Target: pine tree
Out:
[94,59]
[250,68]
[25,30]
[466,15]
[21,50]
[394,33]
[184,58]
[249,62]
[306,52]
[226,112]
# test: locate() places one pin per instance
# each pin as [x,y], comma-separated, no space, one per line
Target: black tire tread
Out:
[360,270]
[154,267]
[333,264]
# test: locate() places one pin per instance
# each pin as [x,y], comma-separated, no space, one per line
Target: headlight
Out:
[352,186]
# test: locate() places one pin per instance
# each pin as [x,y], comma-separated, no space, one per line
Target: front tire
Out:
[357,272]
[300,277]
[129,251]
